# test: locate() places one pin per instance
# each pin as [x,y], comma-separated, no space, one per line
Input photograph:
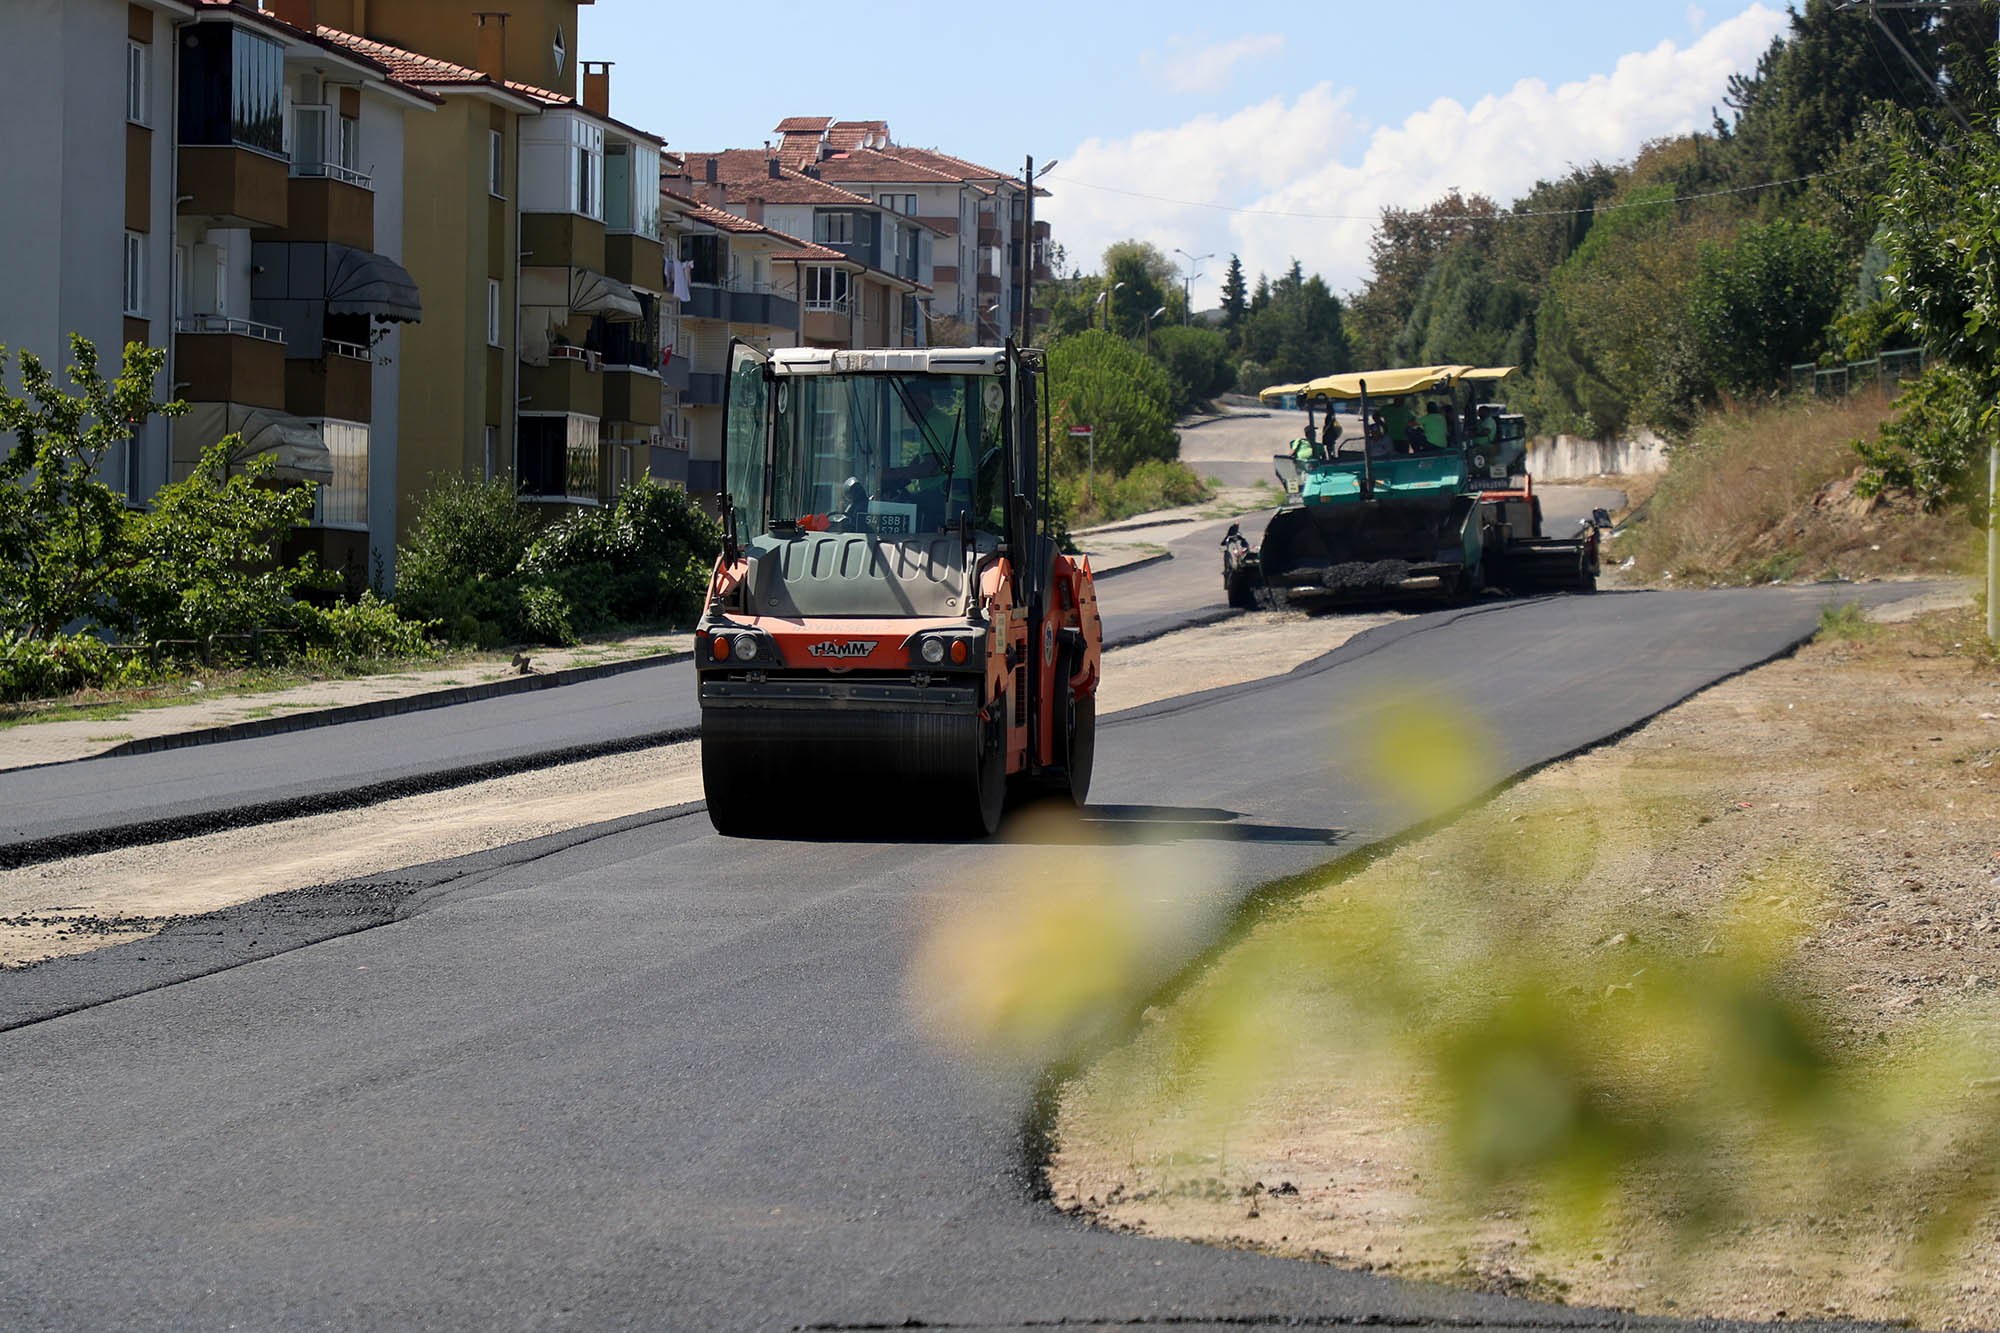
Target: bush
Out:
[366,627]
[465,529]
[1196,362]
[42,668]
[1098,379]
[645,559]
[1933,445]
[1764,303]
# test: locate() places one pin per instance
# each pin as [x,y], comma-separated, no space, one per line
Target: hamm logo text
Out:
[846,648]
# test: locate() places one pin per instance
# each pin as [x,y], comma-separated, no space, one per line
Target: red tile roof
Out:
[563,100]
[716,217]
[845,135]
[746,173]
[955,167]
[867,164]
[803,124]
[408,66]
[325,38]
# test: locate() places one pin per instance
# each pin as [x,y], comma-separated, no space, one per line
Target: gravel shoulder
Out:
[1853,788]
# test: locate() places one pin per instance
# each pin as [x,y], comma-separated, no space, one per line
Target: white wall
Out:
[62,156]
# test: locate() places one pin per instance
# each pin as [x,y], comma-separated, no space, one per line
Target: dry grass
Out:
[1768,493]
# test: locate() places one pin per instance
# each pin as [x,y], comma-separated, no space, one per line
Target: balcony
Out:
[571,382]
[565,240]
[635,260]
[824,327]
[942,273]
[331,208]
[705,301]
[989,282]
[234,185]
[338,385]
[763,308]
[703,390]
[631,395]
[674,375]
[989,237]
[219,360]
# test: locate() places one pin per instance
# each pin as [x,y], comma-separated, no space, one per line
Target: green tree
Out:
[1101,380]
[1298,331]
[1764,303]
[206,555]
[1465,313]
[1235,298]
[1139,278]
[1406,243]
[65,536]
[1197,364]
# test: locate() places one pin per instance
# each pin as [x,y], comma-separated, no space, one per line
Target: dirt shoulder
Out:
[1853,787]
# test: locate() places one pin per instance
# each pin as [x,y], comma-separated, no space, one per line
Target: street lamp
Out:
[1104,299]
[1149,328]
[1187,283]
[1029,175]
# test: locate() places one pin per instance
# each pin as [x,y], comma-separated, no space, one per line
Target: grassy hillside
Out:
[1770,493]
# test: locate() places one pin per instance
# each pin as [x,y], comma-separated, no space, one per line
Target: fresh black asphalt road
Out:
[659,1078]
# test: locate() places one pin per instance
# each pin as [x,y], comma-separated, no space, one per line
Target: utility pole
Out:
[1028,255]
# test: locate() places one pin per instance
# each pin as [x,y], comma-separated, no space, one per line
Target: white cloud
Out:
[1697,19]
[1300,157]
[1194,67]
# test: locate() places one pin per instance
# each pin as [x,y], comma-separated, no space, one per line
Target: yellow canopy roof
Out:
[1489,373]
[1277,391]
[1383,383]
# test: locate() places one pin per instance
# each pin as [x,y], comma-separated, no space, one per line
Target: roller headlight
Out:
[933,651]
[746,648]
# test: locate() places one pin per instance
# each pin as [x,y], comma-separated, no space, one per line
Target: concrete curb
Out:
[304,720]
[1128,567]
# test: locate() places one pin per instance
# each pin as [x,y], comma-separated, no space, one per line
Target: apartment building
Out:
[541,220]
[977,214]
[257,171]
[737,222]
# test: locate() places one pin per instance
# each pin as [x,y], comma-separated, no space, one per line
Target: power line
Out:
[1497,217]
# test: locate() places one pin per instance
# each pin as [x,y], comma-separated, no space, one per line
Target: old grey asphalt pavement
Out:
[655,1077]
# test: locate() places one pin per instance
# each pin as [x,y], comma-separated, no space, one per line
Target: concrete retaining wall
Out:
[1571,457]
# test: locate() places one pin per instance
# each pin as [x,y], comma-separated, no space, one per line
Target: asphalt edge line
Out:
[173,828]
[1037,1128]
[1146,563]
[306,719]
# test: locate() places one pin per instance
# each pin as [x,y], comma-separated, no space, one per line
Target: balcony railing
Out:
[334,171]
[563,352]
[335,347]
[240,328]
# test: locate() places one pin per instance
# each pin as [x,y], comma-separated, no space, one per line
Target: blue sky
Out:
[1310,121]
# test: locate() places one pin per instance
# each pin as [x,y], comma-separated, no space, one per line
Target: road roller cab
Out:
[891,635]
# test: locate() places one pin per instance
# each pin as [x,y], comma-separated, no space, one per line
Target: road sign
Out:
[1079,432]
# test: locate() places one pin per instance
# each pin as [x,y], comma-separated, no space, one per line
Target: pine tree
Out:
[1235,302]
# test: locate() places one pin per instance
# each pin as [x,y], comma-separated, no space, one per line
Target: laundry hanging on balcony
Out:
[360,282]
[591,293]
[294,445]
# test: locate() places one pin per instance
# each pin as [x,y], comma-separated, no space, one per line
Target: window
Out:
[135,275]
[833,228]
[493,313]
[587,197]
[309,139]
[826,288]
[137,83]
[556,457]
[343,502]
[232,89]
[710,256]
[350,144]
[496,164]
[492,452]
